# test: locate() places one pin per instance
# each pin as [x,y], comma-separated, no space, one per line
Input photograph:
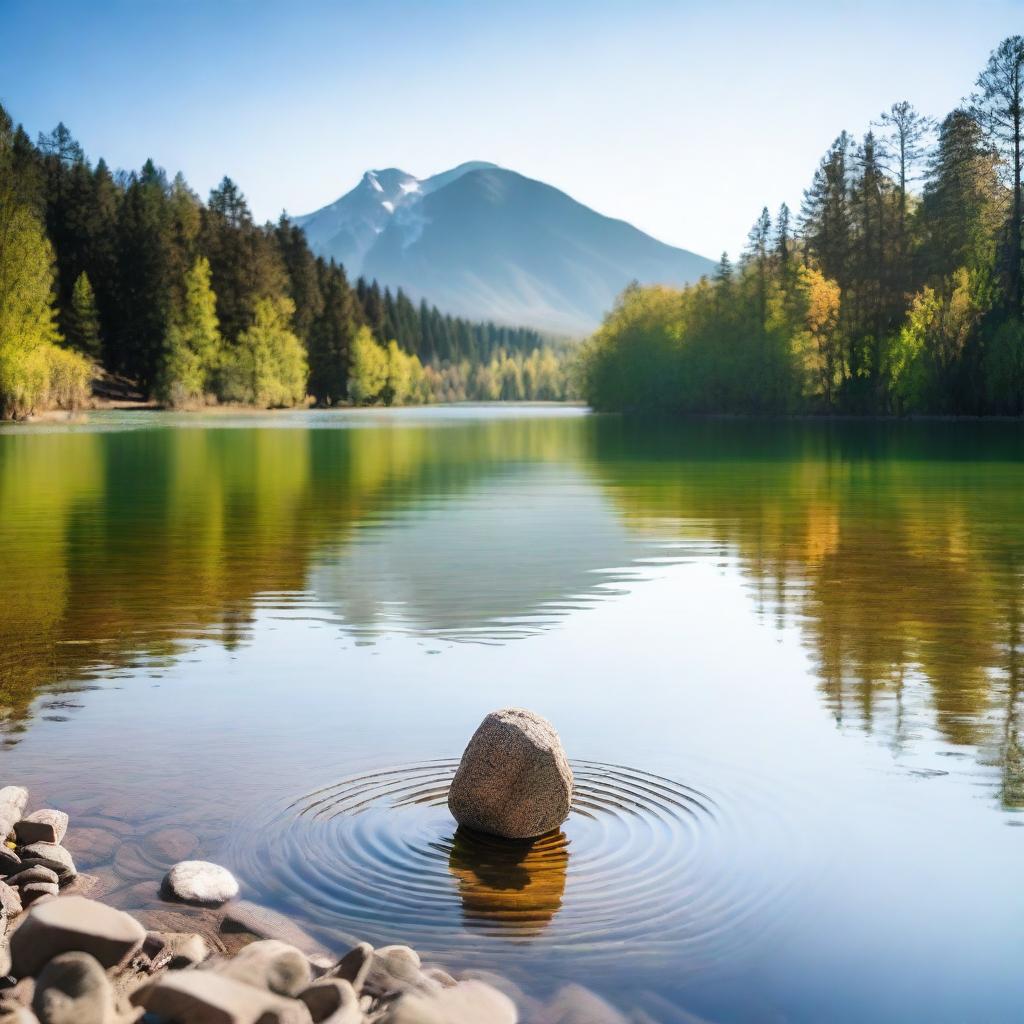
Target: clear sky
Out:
[683,118]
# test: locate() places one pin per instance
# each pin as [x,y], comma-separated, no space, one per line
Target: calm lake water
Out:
[786,659]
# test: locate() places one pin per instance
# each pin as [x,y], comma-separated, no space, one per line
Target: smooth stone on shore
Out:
[332,1000]
[32,892]
[73,989]
[175,950]
[49,855]
[203,997]
[396,969]
[574,1004]
[38,873]
[199,881]
[10,899]
[45,826]
[15,799]
[69,924]
[469,1002]
[514,779]
[10,862]
[354,966]
[269,964]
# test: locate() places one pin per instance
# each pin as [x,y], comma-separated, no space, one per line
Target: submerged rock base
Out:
[66,958]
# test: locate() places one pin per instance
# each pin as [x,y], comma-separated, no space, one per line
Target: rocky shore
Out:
[202,954]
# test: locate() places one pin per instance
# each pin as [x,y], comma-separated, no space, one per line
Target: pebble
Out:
[269,964]
[332,1000]
[49,855]
[45,826]
[203,997]
[71,924]
[73,989]
[199,881]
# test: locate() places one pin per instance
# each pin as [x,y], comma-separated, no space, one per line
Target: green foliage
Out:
[34,373]
[83,332]
[267,366]
[368,375]
[193,350]
[881,302]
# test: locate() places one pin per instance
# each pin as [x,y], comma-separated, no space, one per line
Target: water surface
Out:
[785,658]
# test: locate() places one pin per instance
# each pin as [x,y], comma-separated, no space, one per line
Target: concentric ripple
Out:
[645,868]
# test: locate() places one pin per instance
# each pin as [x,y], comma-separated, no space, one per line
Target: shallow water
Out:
[786,659]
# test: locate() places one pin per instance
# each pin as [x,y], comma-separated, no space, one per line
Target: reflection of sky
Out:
[500,560]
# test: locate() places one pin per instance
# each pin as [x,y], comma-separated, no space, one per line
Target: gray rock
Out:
[45,826]
[354,966]
[13,801]
[71,923]
[10,862]
[73,989]
[271,965]
[33,874]
[49,855]
[514,779]
[469,1002]
[332,1000]
[32,892]
[395,969]
[175,950]
[203,997]
[199,881]
[10,900]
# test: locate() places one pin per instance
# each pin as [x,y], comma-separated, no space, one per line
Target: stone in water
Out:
[514,780]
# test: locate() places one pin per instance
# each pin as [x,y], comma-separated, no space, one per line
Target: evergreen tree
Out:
[193,351]
[999,107]
[83,331]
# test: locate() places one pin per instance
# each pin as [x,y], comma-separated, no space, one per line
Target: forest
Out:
[895,290]
[130,275]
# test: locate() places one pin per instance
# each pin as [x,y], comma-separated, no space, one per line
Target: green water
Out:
[785,657]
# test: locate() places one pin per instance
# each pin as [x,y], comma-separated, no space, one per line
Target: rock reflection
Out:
[511,885]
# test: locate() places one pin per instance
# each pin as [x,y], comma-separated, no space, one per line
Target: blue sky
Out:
[684,118]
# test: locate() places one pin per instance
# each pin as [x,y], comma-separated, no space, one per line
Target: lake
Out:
[785,658]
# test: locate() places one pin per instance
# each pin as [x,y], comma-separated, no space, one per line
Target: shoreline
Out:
[204,954]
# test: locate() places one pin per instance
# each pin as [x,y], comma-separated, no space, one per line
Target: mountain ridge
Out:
[483,241]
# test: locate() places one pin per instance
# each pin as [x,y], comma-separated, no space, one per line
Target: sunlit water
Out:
[785,658]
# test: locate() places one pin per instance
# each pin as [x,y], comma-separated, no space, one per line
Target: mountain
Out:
[488,243]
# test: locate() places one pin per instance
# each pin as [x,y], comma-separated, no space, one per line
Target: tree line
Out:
[897,289]
[194,302]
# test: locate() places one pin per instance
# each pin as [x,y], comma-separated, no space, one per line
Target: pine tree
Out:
[999,107]
[193,350]
[83,332]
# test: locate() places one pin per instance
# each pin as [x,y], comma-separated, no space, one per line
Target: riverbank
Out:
[200,953]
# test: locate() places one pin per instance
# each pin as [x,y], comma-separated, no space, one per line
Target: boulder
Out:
[73,923]
[333,1001]
[45,826]
[514,779]
[199,881]
[49,855]
[203,997]
[396,969]
[469,1002]
[73,989]
[271,965]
